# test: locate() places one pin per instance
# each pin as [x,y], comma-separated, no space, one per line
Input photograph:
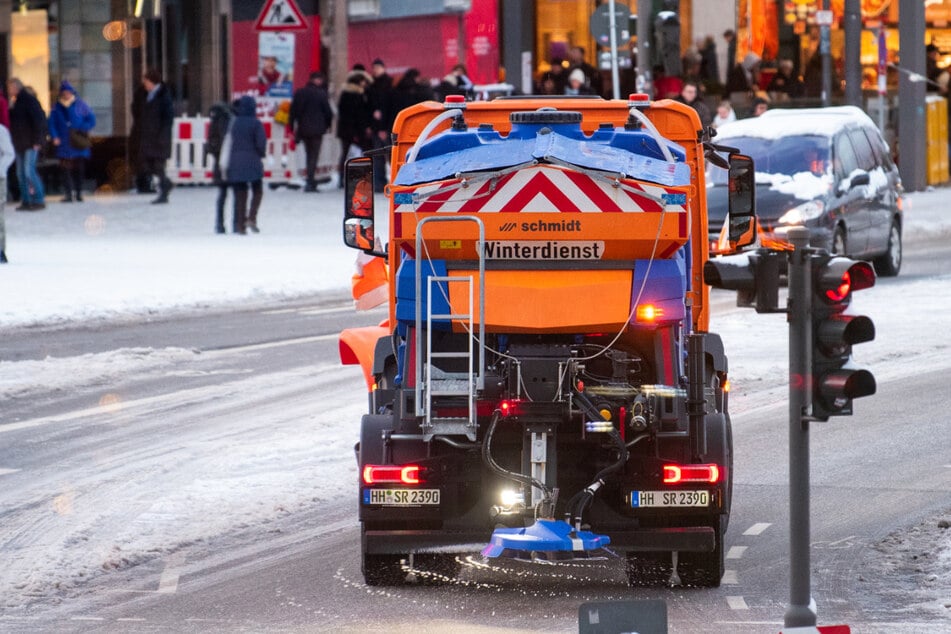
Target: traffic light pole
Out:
[801,611]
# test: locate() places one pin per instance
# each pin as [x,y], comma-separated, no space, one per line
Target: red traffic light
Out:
[840,276]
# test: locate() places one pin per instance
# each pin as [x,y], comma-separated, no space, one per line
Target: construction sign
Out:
[281,15]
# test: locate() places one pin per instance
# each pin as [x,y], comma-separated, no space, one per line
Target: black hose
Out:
[498,469]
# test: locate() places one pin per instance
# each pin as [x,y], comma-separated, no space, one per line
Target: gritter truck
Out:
[544,386]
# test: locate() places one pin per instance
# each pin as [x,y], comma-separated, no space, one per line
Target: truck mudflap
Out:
[685,539]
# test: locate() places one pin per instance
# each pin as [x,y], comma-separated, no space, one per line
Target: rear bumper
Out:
[685,539]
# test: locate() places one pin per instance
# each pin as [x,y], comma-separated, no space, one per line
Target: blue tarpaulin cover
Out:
[633,154]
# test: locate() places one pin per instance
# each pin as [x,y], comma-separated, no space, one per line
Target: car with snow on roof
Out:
[827,169]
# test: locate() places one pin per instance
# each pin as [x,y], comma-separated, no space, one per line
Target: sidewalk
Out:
[116,256]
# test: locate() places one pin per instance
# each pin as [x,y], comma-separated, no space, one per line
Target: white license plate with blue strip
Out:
[669,499]
[401,497]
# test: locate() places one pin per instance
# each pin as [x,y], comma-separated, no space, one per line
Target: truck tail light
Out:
[678,474]
[391,474]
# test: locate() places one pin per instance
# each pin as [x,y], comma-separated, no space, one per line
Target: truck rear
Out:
[545,385]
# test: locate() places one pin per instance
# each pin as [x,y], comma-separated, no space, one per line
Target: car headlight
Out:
[800,214]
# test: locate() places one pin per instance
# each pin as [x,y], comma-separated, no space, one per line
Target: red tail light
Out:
[382,474]
[677,474]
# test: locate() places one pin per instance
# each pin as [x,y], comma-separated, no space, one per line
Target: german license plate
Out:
[665,499]
[401,497]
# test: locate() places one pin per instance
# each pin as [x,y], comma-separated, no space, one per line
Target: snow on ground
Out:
[118,257]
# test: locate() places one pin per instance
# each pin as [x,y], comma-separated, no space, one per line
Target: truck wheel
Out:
[436,569]
[720,451]
[383,570]
[705,569]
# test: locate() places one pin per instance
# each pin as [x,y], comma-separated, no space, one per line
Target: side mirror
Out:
[742,218]
[358,212]
[862,178]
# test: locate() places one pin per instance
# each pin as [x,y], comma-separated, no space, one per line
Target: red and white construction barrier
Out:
[284,161]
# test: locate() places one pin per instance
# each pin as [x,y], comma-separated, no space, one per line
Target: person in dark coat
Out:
[156,131]
[690,95]
[28,132]
[310,118]
[411,89]
[143,180]
[219,121]
[71,113]
[354,122]
[379,94]
[247,148]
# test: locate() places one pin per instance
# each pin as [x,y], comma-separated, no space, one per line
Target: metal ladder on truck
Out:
[437,382]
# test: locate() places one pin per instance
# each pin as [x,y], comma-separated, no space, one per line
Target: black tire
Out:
[378,569]
[704,570]
[839,245]
[383,570]
[889,264]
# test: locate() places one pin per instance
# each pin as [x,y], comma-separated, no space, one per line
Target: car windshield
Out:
[788,155]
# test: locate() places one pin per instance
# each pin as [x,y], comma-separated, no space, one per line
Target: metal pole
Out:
[645,83]
[853,45]
[825,50]
[801,611]
[612,26]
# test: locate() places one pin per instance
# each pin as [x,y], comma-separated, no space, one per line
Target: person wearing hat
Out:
[69,124]
[575,85]
[309,119]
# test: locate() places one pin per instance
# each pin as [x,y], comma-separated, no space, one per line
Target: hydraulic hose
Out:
[498,469]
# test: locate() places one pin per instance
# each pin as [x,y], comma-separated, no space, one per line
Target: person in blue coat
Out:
[243,166]
[71,115]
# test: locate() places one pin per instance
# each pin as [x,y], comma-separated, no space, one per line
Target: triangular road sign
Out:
[280,15]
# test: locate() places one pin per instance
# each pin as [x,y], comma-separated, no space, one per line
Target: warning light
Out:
[678,474]
[454,101]
[648,313]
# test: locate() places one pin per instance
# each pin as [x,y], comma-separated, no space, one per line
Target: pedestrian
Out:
[143,180]
[156,131]
[456,82]
[244,166]
[4,110]
[309,119]
[592,78]
[785,84]
[69,124]
[219,117]
[576,84]
[379,94]
[555,79]
[758,106]
[725,114]
[690,95]
[354,123]
[7,156]
[28,133]
[411,89]
[709,63]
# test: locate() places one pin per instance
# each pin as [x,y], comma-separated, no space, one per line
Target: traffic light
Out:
[834,333]
[753,275]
